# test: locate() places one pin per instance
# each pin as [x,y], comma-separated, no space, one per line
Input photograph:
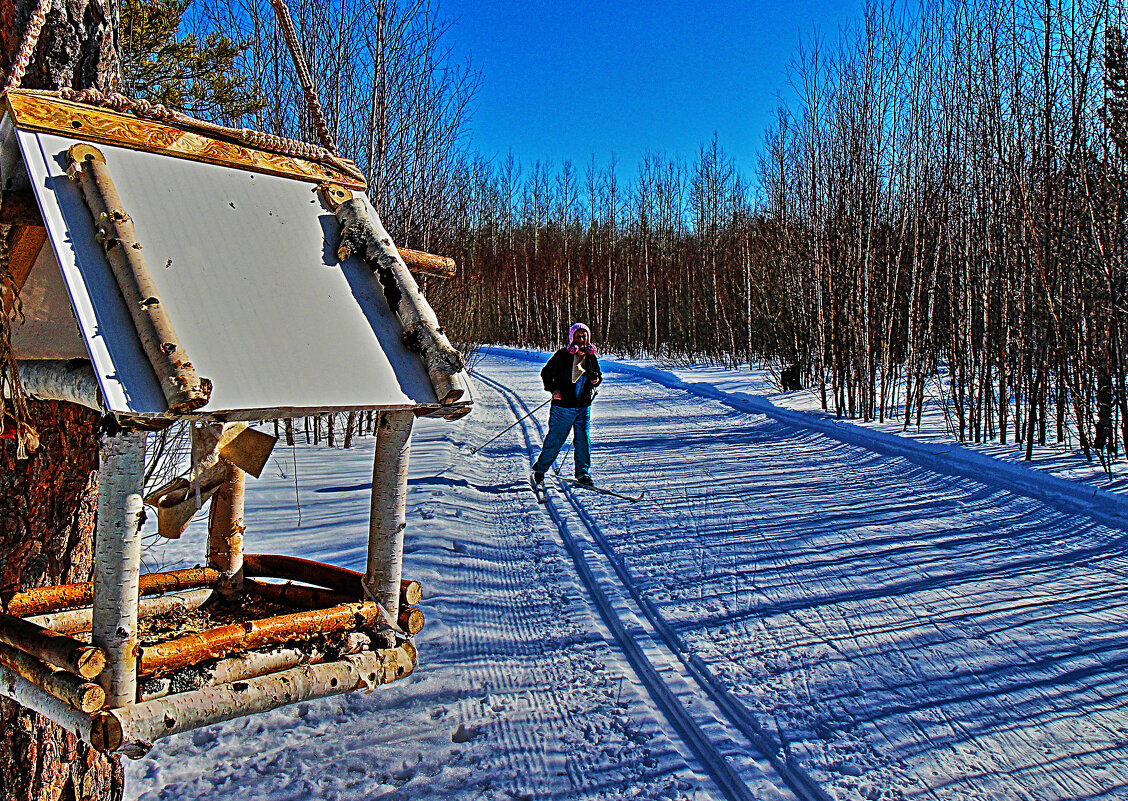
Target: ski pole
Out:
[498,434]
[557,465]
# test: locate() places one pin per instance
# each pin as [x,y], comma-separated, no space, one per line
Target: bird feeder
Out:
[170,271]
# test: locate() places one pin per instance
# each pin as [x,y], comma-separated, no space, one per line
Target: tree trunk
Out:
[48,502]
[47,509]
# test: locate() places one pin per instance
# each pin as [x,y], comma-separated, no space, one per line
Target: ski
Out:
[601,490]
[539,490]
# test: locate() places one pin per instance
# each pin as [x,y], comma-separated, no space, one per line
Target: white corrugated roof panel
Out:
[245,265]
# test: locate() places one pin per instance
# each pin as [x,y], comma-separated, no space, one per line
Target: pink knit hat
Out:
[574,348]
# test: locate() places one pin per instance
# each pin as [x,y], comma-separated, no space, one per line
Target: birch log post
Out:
[422,333]
[182,388]
[384,570]
[117,563]
[225,532]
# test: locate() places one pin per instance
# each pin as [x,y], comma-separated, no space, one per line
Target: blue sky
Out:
[566,80]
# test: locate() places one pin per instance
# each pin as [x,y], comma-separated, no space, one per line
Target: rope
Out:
[286,22]
[31,36]
[11,391]
[27,439]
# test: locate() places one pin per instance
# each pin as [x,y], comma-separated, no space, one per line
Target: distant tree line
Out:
[939,211]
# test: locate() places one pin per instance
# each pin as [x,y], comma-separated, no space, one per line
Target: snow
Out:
[798,599]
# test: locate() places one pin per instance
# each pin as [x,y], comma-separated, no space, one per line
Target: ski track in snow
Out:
[898,632]
[938,637]
[517,695]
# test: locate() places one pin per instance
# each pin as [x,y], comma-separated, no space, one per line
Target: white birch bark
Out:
[422,333]
[255,663]
[225,532]
[26,694]
[141,724]
[183,389]
[74,621]
[117,563]
[388,519]
[78,692]
[57,379]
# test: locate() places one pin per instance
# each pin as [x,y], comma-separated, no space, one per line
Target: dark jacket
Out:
[557,377]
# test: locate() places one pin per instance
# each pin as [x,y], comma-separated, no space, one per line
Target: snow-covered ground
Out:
[799,606]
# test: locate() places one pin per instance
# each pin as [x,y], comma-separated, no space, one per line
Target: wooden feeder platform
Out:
[280,295]
[203,657]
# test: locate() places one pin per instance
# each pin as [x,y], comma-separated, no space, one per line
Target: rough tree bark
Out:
[47,509]
[47,503]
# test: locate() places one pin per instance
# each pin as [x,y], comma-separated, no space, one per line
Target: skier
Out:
[571,375]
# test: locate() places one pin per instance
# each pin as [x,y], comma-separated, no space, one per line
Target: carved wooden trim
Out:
[32,112]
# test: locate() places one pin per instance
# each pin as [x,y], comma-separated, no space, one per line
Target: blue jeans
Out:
[560,420]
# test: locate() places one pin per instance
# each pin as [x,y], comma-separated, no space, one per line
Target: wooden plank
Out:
[23,249]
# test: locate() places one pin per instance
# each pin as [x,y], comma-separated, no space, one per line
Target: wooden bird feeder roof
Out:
[242,248]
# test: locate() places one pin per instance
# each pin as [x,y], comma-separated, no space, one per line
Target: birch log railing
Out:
[238,664]
[70,596]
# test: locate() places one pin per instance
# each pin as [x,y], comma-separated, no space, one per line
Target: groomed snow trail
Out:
[903,633]
[691,712]
[890,632]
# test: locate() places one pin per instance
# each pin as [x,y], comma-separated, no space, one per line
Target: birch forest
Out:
[937,212]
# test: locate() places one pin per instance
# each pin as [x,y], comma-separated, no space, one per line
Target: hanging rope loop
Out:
[286,23]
